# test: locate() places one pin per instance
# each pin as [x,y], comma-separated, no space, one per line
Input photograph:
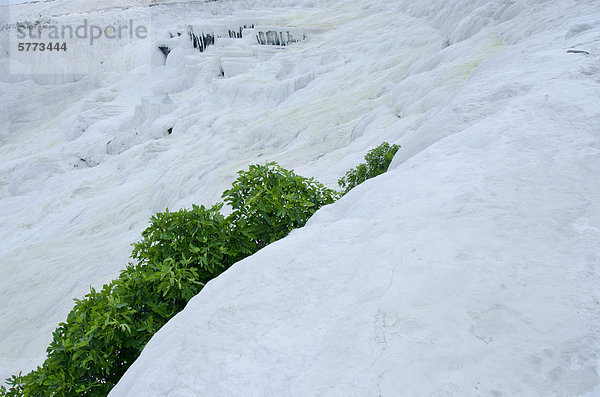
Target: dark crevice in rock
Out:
[238,34]
[202,40]
[272,37]
[164,49]
[578,52]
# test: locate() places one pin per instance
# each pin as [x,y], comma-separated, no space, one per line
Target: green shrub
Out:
[107,329]
[378,161]
[178,253]
[269,201]
[197,236]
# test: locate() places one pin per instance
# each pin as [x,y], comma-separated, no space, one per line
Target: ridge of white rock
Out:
[470,268]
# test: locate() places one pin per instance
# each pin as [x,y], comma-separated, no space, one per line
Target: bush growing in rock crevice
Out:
[179,252]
